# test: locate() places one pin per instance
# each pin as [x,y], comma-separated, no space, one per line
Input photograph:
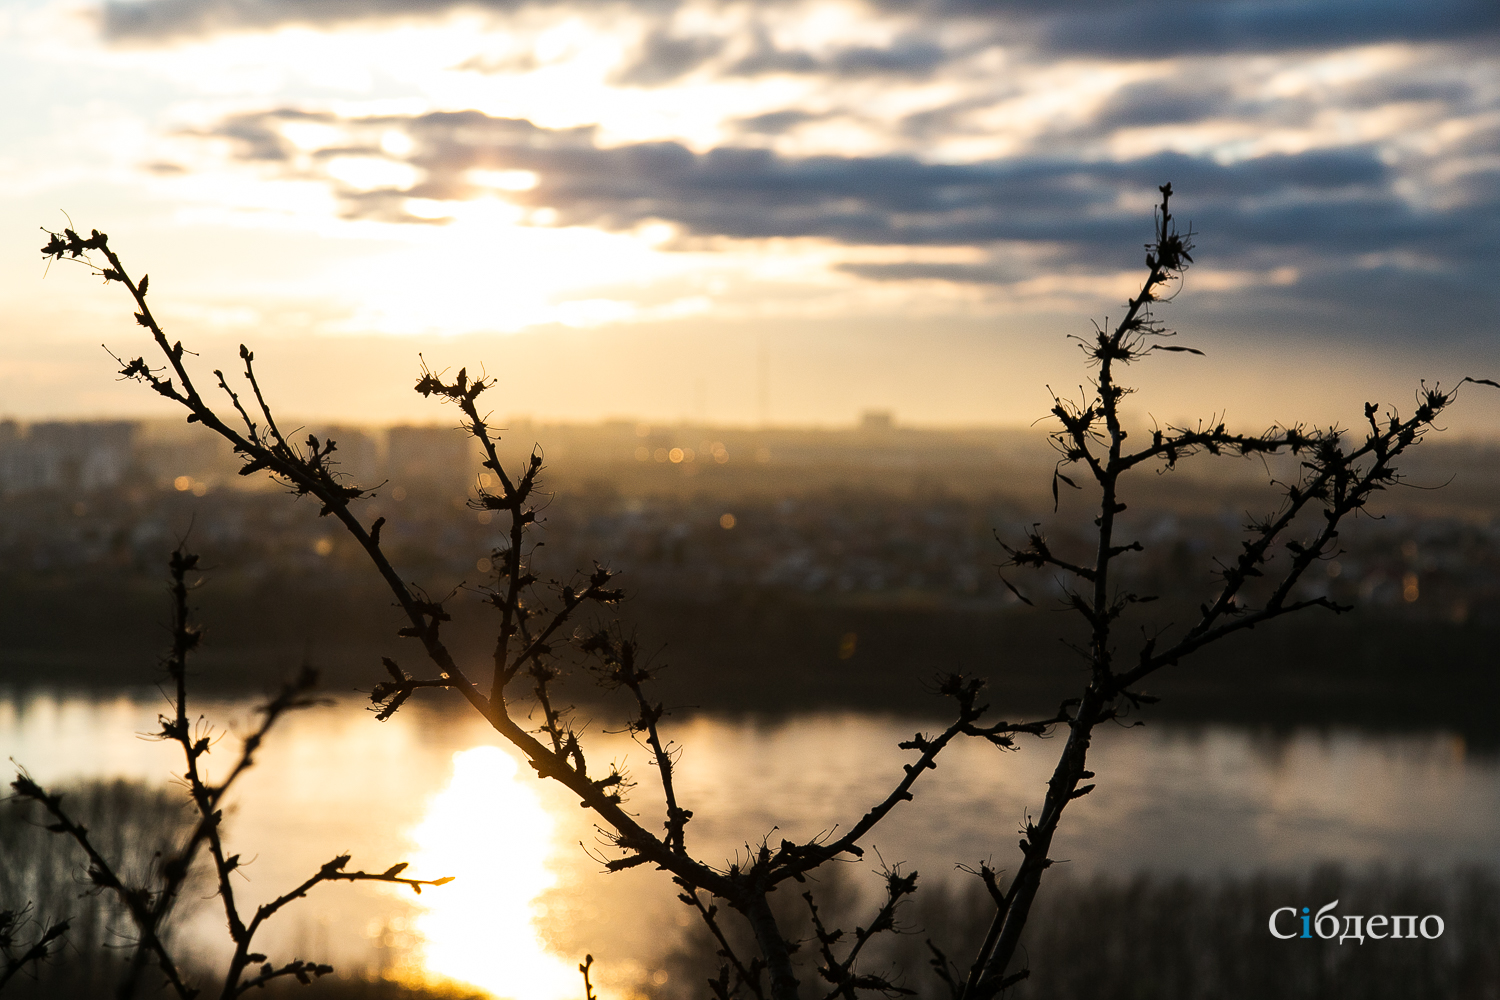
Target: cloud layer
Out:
[1340,158]
[1109,28]
[748,193]
[1338,216]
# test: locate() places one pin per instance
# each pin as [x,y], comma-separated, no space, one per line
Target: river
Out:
[435,788]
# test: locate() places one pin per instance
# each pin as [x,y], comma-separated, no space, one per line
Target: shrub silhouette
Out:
[1336,474]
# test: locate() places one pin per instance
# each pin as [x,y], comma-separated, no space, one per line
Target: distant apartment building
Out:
[55,455]
[355,454]
[430,459]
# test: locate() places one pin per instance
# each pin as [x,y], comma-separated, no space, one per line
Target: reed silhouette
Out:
[541,630]
[1172,937]
[127,822]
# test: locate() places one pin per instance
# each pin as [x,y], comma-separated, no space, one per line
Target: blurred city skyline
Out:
[789,212]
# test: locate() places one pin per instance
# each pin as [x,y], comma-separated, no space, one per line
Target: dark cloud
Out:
[1336,203]
[255,136]
[1236,26]
[1481,142]
[1480,187]
[910,55]
[160,20]
[1369,259]
[1162,102]
[1380,239]
[1122,28]
[1455,94]
[1188,97]
[955,119]
[907,57]
[1125,29]
[1350,304]
[768,61]
[663,58]
[776,122]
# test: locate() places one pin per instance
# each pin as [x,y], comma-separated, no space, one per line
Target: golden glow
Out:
[396,143]
[427,208]
[1208,279]
[585,313]
[489,830]
[307,136]
[366,173]
[505,180]
[525,275]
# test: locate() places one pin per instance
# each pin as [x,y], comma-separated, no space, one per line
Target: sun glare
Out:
[366,173]
[505,180]
[489,830]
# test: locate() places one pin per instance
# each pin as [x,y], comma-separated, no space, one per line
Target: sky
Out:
[792,210]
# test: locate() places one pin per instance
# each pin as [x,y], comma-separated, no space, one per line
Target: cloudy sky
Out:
[637,208]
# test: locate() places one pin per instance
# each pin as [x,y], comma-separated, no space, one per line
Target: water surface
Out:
[430,787]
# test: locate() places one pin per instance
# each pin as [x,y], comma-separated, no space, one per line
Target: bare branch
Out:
[846,983]
[749,977]
[304,972]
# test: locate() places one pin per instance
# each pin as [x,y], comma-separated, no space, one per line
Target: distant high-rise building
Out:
[355,455]
[436,459]
[73,456]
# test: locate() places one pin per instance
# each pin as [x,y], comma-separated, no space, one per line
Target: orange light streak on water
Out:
[489,829]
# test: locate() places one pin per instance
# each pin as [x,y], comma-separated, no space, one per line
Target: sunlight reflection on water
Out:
[491,830]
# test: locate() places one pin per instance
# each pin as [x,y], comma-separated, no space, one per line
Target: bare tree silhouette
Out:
[538,621]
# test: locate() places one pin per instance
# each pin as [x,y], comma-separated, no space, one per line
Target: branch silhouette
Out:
[534,618]
[539,618]
[1337,478]
[150,904]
